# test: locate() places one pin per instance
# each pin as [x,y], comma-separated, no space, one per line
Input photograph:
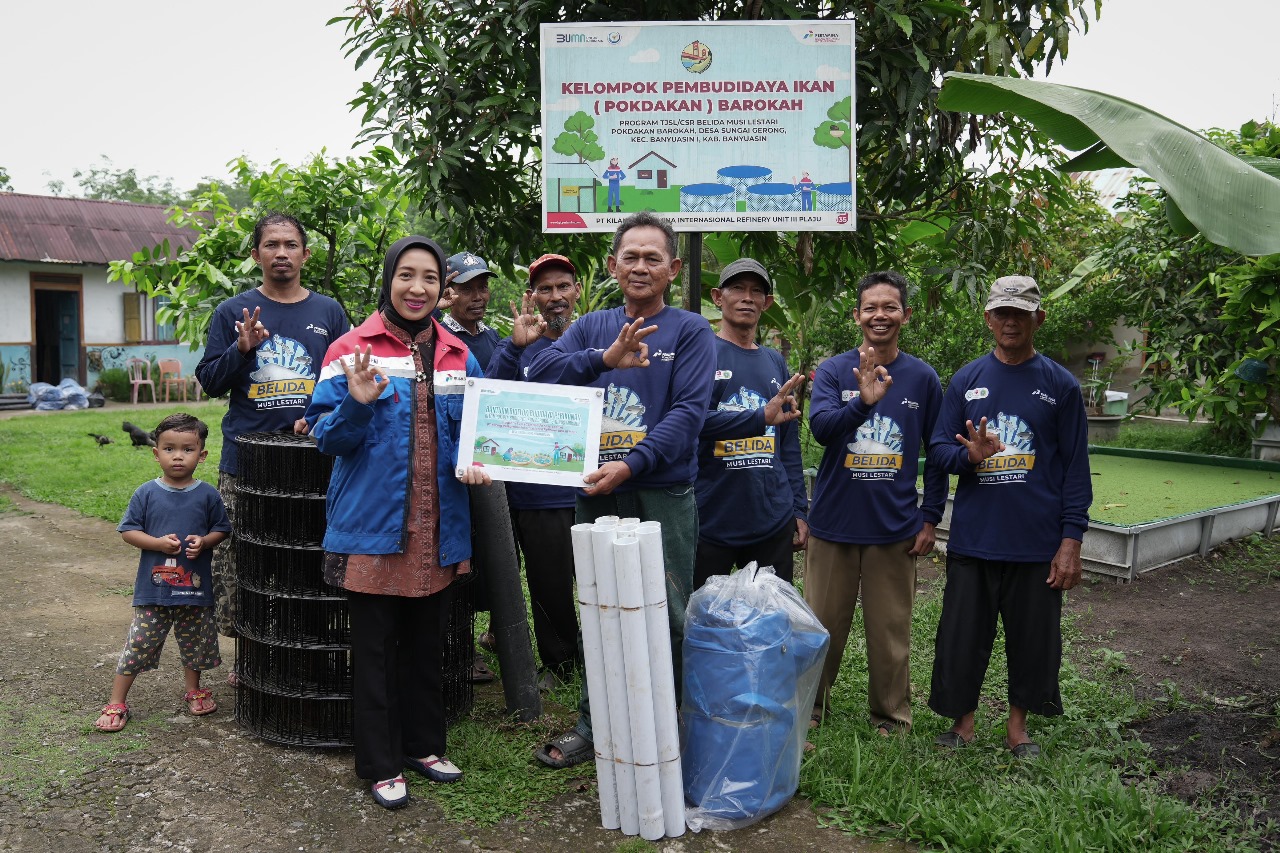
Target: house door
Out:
[57,336]
[662,179]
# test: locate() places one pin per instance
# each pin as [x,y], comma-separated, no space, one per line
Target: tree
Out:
[101,181]
[465,120]
[5,185]
[353,210]
[1201,261]
[836,133]
[579,140]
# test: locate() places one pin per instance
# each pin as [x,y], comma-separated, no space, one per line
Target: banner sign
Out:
[531,432]
[718,126]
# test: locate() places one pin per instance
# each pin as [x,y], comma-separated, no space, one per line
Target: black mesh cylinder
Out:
[293,657]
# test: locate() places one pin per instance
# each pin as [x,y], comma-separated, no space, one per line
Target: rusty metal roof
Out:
[81,231]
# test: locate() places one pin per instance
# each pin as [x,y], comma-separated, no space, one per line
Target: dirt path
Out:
[204,784]
[1201,639]
[172,782]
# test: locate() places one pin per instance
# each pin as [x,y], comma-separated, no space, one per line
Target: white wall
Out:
[15,297]
[102,302]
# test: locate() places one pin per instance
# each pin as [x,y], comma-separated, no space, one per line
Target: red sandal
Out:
[118,713]
[204,696]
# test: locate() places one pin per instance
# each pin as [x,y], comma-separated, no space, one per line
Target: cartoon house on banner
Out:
[651,171]
[62,318]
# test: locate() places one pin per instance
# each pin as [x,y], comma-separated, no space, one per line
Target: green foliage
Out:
[94,481]
[102,181]
[5,184]
[113,383]
[1182,438]
[579,140]
[1114,132]
[1208,312]
[465,121]
[352,209]
[836,133]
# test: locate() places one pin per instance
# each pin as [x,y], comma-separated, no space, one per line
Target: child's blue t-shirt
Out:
[157,510]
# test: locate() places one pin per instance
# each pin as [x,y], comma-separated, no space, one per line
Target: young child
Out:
[175,520]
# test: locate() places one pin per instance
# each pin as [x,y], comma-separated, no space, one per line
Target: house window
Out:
[163,331]
[644,174]
[140,324]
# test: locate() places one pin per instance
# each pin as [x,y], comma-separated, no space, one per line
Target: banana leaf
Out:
[1232,201]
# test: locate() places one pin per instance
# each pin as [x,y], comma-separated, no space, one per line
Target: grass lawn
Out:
[52,457]
[1093,789]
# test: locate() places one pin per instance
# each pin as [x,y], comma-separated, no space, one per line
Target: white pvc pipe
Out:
[593,660]
[635,649]
[658,630]
[615,674]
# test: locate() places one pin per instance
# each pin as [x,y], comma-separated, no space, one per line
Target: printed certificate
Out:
[529,432]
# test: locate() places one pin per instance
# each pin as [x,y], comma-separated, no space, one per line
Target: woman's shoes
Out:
[435,768]
[391,793]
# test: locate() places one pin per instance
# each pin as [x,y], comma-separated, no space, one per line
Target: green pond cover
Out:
[1131,490]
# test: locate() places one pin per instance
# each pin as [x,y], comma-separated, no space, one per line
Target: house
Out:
[62,317]
[650,172]
[487,447]
[570,187]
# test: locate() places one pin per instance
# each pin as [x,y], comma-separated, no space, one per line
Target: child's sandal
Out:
[119,715]
[200,702]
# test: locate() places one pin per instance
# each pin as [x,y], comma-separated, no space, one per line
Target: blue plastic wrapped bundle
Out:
[74,396]
[753,653]
[44,397]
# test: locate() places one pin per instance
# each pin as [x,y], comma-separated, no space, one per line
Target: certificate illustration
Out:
[529,432]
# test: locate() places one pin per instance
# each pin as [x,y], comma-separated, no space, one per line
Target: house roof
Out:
[653,154]
[81,231]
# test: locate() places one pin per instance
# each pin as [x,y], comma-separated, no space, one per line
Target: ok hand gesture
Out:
[981,444]
[526,325]
[782,406]
[629,350]
[364,383]
[251,332]
[873,379]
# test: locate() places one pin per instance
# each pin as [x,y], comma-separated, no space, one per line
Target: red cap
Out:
[547,261]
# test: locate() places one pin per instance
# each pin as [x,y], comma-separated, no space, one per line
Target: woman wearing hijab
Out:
[388,405]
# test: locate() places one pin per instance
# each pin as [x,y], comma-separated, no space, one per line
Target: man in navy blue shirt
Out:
[752,504]
[873,408]
[655,363]
[466,296]
[1013,429]
[265,349]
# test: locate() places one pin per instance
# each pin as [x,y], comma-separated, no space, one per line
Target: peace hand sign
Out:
[364,383]
[250,331]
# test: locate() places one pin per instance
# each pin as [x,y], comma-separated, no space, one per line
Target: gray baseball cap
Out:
[1014,291]
[746,265]
[467,266]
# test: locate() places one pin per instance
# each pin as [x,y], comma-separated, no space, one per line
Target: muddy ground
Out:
[204,784]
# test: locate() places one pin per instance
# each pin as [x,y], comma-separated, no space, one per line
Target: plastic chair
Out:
[139,375]
[171,376]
